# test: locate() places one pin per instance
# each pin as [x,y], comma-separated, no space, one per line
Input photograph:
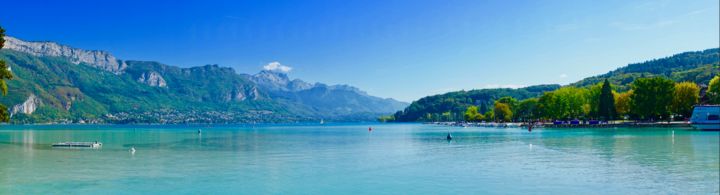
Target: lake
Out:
[349,159]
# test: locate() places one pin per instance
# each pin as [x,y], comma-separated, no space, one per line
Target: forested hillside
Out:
[698,67]
[452,105]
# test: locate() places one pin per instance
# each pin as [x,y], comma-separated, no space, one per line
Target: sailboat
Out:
[322,121]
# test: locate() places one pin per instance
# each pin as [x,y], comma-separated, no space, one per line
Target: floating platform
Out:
[77,145]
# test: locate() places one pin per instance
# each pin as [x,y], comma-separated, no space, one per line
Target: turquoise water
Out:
[347,159]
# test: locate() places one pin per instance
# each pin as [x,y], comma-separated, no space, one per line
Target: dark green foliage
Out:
[5,74]
[527,110]
[2,39]
[606,107]
[652,97]
[4,115]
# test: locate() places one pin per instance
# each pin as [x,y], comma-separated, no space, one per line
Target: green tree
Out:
[5,74]
[564,103]
[503,112]
[606,105]
[652,97]
[686,95]
[593,100]
[472,114]
[489,115]
[548,105]
[572,100]
[511,102]
[713,91]
[528,109]
[622,103]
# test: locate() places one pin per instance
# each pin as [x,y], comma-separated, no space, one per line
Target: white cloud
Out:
[276,66]
[563,75]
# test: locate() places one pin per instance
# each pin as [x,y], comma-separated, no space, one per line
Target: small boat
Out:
[706,117]
[322,121]
[132,150]
[77,145]
[449,137]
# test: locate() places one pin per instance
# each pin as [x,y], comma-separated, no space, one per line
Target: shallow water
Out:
[347,159]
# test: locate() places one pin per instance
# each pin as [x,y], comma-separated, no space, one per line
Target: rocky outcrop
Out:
[27,107]
[98,59]
[253,93]
[279,81]
[240,94]
[152,79]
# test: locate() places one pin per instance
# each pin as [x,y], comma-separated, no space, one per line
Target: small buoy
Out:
[369,128]
[199,131]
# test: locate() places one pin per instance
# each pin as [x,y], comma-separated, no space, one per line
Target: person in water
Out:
[530,126]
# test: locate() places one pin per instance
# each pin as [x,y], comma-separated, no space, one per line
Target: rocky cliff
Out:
[98,59]
[152,79]
[274,80]
[27,107]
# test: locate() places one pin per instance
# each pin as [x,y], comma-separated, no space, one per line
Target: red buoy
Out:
[369,128]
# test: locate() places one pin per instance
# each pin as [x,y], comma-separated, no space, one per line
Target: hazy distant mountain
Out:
[335,99]
[57,83]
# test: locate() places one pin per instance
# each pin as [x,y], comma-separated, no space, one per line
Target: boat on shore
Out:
[77,145]
[706,117]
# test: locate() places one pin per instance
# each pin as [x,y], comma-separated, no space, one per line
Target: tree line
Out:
[649,99]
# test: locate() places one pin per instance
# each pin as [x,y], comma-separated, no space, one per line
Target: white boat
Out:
[77,145]
[706,117]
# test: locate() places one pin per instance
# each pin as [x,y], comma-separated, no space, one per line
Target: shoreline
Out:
[551,125]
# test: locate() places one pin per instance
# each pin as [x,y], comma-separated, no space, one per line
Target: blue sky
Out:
[399,49]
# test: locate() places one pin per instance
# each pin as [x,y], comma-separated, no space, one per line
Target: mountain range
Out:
[55,83]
